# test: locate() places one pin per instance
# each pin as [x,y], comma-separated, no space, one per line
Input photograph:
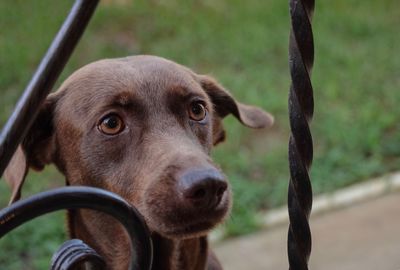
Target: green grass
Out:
[356,80]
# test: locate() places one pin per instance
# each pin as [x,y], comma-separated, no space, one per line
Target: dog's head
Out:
[141,127]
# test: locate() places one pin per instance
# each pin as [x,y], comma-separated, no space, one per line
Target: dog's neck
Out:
[180,254]
[169,254]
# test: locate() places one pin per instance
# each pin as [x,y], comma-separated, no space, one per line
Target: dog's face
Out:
[142,127]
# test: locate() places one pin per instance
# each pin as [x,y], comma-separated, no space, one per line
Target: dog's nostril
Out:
[221,191]
[198,194]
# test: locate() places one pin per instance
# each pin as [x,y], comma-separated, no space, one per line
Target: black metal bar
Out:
[90,198]
[44,78]
[75,253]
[301,108]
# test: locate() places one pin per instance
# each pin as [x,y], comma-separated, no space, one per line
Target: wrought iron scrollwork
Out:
[75,253]
[88,198]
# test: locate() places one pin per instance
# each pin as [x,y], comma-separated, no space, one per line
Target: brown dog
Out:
[141,127]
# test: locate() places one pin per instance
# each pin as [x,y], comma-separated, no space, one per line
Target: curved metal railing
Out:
[90,198]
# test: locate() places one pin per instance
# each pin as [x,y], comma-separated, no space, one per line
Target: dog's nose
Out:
[203,187]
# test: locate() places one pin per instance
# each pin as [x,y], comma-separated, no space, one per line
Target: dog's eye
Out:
[111,124]
[197,111]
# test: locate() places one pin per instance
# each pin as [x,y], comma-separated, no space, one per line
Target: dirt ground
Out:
[364,236]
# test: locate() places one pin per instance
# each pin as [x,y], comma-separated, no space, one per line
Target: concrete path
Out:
[365,236]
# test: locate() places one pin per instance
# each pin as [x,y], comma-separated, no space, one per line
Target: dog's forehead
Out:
[140,75]
[126,80]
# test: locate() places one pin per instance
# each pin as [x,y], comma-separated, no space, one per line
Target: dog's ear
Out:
[36,150]
[225,104]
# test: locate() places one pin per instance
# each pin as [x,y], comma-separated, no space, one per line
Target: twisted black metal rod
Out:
[44,78]
[85,197]
[301,107]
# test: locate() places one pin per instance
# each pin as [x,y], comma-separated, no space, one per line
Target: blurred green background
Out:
[356,80]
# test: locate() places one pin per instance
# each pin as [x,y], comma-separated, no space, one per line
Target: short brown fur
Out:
[145,162]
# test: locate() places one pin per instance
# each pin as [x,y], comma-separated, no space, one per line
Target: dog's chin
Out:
[180,221]
[187,232]
[188,228]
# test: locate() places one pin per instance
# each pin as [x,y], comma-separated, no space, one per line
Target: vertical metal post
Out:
[301,107]
[44,78]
